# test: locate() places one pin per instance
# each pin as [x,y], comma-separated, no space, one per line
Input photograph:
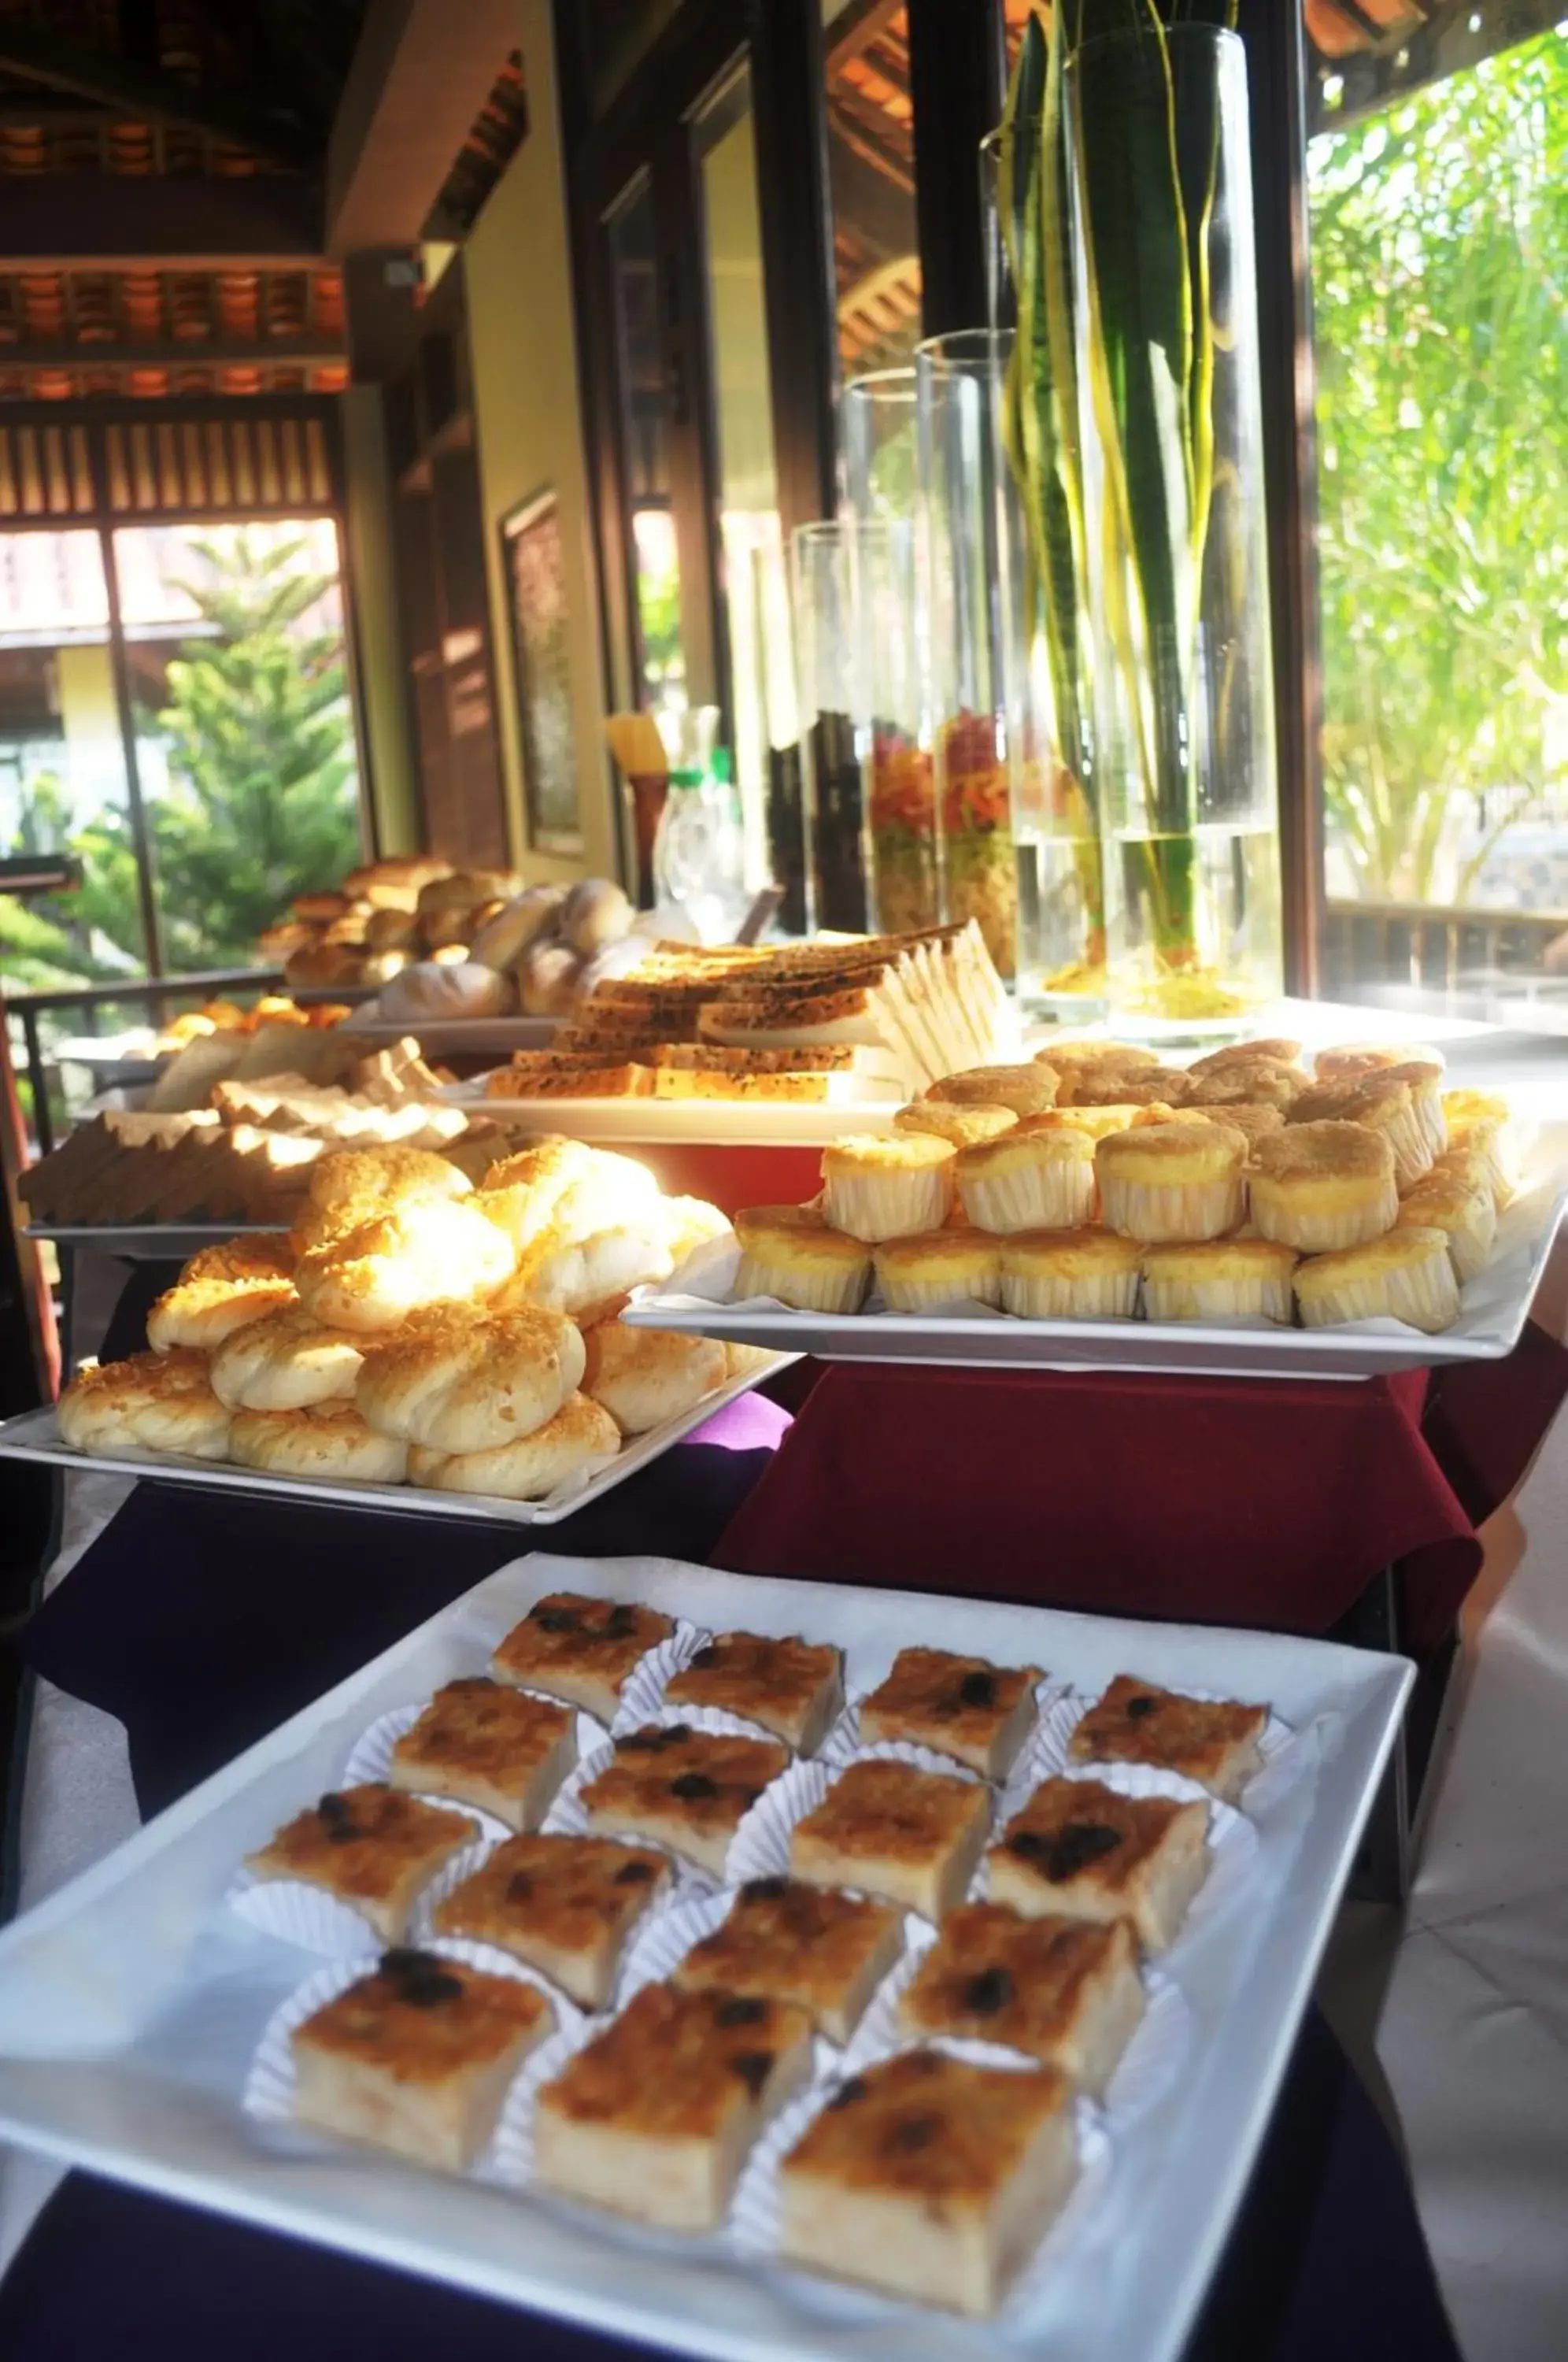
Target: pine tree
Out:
[260,805]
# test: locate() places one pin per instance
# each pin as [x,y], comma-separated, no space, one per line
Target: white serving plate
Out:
[471,1037]
[35,1435]
[1494,1308]
[131,2002]
[679,1122]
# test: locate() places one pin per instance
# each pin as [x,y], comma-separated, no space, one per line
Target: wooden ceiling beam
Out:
[419,78]
[106,221]
[145,97]
[303,349]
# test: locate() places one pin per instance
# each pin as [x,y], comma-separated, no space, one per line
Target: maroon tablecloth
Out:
[1207,1500]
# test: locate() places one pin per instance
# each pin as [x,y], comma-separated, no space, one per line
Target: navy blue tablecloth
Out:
[201,1620]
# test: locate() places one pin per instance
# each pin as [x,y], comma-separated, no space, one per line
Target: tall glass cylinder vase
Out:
[785,814]
[1061,894]
[834,748]
[881,440]
[962,467]
[1165,297]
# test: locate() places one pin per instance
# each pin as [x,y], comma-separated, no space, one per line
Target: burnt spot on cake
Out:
[420,1980]
[1060,1854]
[635,1874]
[740,2009]
[694,1787]
[557,1619]
[764,1890]
[519,1886]
[706,1659]
[906,2135]
[986,1993]
[978,1689]
[1139,1707]
[621,1623]
[848,2092]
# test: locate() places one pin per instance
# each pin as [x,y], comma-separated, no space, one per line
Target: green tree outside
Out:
[259,807]
[1439,252]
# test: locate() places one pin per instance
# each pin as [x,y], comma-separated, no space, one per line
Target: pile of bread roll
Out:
[1096,1184]
[416,1328]
[443,942]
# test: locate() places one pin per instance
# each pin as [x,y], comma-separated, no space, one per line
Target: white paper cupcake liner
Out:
[298,1912]
[761,1845]
[1233,1840]
[1150,2062]
[370,1758]
[844,1742]
[666,1937]
[642,1690]
[268,2095]
[754,2220]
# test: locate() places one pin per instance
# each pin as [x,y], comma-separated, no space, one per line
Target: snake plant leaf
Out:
[1139,354]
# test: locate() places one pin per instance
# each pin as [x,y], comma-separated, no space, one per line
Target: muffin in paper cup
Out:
[789,1256]
[940,1270]
[1409,1276]
[1071,1275]
[1321,1186]
[1165,1182]
[268,2095]
[874,1190]
[1465,1211]
[1223,1279]
[1029,1180]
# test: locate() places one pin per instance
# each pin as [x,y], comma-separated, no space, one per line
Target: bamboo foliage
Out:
[1110,152]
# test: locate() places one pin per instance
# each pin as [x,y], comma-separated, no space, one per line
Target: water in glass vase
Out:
[1194,923]
[1061,928]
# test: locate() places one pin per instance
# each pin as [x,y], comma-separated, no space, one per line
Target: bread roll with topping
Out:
[461,1381]
[644,1376]
[329,1441]
[286,1362]
[153,1402]
[581,1438]
[349,1186]
[267,1256]
[373,1276]
[444,988]
[201,1313]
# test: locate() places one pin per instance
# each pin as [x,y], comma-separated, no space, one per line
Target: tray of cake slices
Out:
[1097,1207]
[759,1969]
[415,1342]
[778,1042]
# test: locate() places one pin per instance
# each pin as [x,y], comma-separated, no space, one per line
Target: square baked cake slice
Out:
[792,1687]
[930,2178]
[417,2057]
[913,1837]
[978,1713]
[654,2118]
[481,1743]
[1216,1743]
[790,1941]
[567,1905]
[578,1650]
[686,1790]
[1080,1850]
[372,1848]
[1066,1992]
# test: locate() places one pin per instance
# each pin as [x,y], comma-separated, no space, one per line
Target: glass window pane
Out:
[62,781]
[871,177]
[645,442]
[1439,188]
[751,575]
[245,731]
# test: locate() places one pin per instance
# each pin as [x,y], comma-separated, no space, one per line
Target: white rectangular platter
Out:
[131,2003]
[1494,1309]
[688,1123]
[35,1435]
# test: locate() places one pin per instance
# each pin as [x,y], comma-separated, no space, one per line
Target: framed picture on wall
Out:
[533,560]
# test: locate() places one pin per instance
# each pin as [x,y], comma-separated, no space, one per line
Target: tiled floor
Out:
[1458,2010]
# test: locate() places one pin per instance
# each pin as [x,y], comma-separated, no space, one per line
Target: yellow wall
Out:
[522,338]
[379,655]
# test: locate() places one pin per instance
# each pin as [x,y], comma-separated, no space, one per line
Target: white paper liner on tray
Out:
[1151,2061]
[844,1742]
[269,2095]
[1043,1755]
[754,2218]
[297,1912]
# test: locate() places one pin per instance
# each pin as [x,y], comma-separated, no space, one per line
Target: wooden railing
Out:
[1432,947]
